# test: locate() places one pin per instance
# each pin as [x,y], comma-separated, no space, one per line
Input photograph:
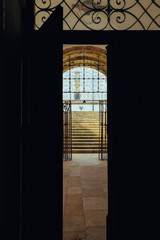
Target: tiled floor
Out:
[85,198]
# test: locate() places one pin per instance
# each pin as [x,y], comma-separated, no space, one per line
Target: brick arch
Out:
[88,56]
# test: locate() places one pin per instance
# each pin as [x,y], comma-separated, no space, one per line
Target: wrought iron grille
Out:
[102,14]
[103,130]
[67,131]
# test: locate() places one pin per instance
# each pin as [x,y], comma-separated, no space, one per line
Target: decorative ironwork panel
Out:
[103,147]
[102,14]
[67,131]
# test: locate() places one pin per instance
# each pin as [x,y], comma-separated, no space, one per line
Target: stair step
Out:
[85,125]
[93,137]
[85,143]
[85,147]
[91,130]
[85,140]
[85,132]
[86,151]
[85,135]
[90,120]
[85,128]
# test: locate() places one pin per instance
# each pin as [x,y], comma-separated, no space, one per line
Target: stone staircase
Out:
[85,132]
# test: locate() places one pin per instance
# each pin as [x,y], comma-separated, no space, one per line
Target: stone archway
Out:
[90,62]
[89,56]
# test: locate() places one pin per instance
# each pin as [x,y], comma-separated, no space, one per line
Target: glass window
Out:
[85,84]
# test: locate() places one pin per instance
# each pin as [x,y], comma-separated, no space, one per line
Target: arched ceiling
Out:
[88,56]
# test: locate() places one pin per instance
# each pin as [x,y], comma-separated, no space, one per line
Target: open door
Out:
[42,176]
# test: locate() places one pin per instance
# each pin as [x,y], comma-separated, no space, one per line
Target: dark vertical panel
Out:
[42,179]
[10,71]
[1,15]
[133,73]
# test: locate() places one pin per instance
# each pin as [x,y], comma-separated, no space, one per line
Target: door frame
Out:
[105,38]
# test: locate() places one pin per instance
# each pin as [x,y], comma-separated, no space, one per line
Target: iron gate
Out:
[67,131]
[103,148]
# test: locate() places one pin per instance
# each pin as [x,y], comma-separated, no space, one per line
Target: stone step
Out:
[85,131]
[86,144]
[92,134]
[87,120]
[85,116]
[86,134]
[85,140]
[86,125]
[79,132]
[81,126]
[81,123]
[86,151]
[90,119]
[85,147]
[85,137]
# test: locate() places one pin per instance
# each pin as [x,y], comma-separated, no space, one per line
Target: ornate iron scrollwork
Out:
[66,107]
[102,14]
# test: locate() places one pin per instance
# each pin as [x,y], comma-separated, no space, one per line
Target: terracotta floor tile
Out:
[96,233]
[94,203]
[73,223]
[74,235]
[74,210]
[95,218]
[91,186]
[92,192]
[74,190]
[74,181]
[86,181]
[74,199]
[75,173]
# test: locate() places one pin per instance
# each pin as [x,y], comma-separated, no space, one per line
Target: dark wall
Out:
[10,78]
[133,82]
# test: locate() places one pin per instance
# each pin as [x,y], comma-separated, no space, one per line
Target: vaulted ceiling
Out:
[87,56]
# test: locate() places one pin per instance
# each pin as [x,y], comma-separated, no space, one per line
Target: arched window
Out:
[83,83]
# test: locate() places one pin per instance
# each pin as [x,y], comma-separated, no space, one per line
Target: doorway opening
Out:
[85,190]
[84,101]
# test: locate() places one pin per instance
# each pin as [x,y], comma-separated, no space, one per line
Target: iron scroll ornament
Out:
[102,14]
[66,107]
